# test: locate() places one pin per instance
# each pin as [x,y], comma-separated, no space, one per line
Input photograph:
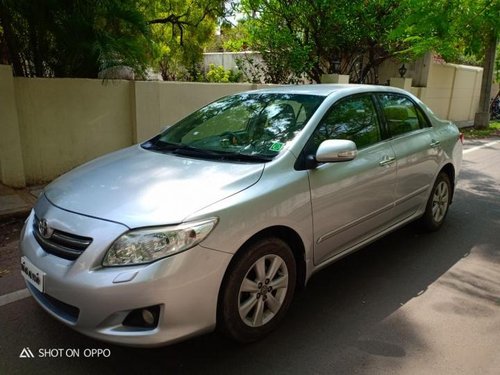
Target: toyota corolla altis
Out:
[217,220]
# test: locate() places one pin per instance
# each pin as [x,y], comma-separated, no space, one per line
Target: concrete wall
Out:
[452,91]
[418,70]
[463,105]
[11,158]
[49,126]
[64,123]
[228,59]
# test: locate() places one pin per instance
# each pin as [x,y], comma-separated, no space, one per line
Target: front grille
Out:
[65,245]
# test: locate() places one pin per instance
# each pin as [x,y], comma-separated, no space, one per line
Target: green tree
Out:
[313,37]
[235,38]
[220,75]
[57,38]
[455,28]
[180,30]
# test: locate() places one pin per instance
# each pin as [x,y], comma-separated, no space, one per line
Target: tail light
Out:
[461,137]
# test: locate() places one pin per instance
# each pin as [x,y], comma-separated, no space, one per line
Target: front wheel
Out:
[438,203]
[257,291]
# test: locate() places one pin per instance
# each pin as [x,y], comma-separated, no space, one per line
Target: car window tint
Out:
[354,119]
[400,113]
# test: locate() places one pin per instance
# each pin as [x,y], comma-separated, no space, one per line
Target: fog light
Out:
[148,317]
[145,318]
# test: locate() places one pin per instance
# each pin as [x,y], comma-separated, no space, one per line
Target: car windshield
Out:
[245,127]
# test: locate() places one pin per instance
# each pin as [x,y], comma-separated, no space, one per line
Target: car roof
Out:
[327,89]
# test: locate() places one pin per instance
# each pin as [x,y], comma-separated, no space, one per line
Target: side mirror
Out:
[336,150]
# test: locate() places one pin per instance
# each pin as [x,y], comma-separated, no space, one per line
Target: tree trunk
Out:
[482,118]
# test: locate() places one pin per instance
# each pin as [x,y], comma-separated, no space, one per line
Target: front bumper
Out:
[95,300]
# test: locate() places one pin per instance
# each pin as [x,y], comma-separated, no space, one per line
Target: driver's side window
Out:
[353,118]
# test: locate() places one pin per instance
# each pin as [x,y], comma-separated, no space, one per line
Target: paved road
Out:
[412,303]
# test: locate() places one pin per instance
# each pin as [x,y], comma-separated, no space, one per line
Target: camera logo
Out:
[26,353]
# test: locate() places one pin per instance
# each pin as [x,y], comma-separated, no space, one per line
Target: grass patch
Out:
[492,131]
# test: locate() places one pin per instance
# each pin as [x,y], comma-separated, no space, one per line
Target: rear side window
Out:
[354,118]
[401,114]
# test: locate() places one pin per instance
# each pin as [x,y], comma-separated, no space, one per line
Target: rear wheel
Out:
[258,290]
[438,203]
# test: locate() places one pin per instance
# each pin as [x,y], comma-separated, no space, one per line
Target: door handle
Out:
[435,144]
[386,161]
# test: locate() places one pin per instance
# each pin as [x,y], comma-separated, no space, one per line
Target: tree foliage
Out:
[218,74]
[456,28]
[72,38]
[313,37]
[59,38]
[309,37]
[180,30]
[297,39]
[234,38]
[453,28]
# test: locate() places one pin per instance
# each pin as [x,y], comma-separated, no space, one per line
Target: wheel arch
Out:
[283,233]
[286,234]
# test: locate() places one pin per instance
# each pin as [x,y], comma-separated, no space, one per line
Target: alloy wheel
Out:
[440,201]
[263,290]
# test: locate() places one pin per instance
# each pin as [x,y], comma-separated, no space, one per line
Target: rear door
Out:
[351,200]
[416,152]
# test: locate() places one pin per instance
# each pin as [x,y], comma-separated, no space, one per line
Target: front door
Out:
[351,200]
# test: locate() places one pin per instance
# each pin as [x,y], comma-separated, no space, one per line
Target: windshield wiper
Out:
[182,149]
[187,150]
[220,155]
[176,148]
[247,157]
[158,145]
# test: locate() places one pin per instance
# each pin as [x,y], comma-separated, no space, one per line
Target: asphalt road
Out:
[411,303]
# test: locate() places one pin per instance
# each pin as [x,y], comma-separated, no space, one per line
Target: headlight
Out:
[147,245]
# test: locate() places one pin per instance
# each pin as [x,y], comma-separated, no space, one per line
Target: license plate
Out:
[32,273]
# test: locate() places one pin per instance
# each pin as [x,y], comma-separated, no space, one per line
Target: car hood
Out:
[140,188]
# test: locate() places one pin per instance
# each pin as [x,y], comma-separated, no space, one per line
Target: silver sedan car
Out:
[218,220]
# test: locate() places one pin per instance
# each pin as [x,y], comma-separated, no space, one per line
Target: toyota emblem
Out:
[44,229]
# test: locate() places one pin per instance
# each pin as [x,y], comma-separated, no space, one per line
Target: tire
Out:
[257,290]
[438,203]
